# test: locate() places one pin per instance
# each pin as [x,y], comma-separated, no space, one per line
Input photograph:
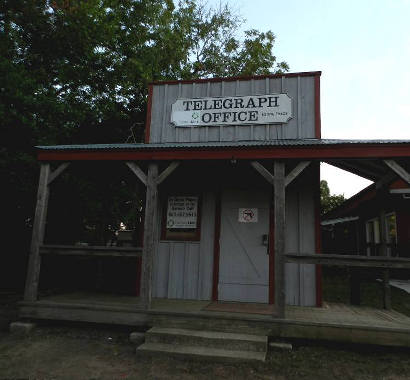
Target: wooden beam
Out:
[265,173]
[296,171]
[279,233]
[138,172]
[73,250]
[150,225]
[57,172]
[167,171]
[385,180]
[399,170]
[37,238]
[349,260]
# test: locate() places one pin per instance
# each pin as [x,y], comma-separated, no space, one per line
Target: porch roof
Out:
[362,157]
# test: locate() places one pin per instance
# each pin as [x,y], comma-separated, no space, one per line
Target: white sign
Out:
[248,215]
[182,212]
[232,110]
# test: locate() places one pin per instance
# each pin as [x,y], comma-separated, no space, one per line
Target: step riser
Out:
[143,351]
[229,344]
[222,325]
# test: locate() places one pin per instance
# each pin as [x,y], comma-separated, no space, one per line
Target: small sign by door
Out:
[248,215]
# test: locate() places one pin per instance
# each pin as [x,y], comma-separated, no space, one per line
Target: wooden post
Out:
[33,271]
[150,226]
[279,233]
[384,252]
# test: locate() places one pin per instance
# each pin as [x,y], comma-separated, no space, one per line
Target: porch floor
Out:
[342,322]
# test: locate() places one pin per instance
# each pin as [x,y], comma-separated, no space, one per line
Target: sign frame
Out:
[258,102]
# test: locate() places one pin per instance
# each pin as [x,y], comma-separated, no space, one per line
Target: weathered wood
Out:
[71,250]
[57,172]
[385,180]
[37,238]
[399,170]
[279,233]
[151,208]
[138,172]
[265,173]
[296,171]
[349,260]
[166,172]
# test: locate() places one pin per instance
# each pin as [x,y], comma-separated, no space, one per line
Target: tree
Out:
[329,202]
[77,72]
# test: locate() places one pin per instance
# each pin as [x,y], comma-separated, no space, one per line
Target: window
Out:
[391,233]
[373,235]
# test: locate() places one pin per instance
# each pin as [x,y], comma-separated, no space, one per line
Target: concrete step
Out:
[220,340]
[201,353]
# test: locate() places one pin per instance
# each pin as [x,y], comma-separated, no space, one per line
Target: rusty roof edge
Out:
[231,79]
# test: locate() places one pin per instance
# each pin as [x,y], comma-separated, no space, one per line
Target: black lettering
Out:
[225,116]
[273,101]
[216,115]
[234,116]
[206,117]
[253,115]
[239,116]
[227,103]
[251,103]
[187,103]
[217,104]
[197,105]
[238,103]
[262,101]
[206,105]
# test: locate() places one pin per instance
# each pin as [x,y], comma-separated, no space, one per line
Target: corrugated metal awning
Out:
[222,144]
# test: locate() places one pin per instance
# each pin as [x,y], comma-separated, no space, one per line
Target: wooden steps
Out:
[205,345]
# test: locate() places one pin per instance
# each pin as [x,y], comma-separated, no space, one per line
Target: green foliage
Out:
[77,72]
[329,202]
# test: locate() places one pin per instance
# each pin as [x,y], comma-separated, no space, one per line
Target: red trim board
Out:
[217,236]
[228,153]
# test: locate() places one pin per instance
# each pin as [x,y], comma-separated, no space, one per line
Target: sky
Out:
[362,48]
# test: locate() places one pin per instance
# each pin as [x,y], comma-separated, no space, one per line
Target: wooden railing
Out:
[77,250]
[349,260]
[383,263]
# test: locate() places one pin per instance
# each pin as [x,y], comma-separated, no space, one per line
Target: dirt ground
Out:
[74,352]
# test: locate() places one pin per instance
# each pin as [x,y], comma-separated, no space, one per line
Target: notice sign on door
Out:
[182,212]
[248,215]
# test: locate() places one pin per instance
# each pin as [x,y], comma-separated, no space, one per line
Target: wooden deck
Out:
[333,322]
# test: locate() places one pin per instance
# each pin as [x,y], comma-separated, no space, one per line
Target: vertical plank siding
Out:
[300,89]
[183,269]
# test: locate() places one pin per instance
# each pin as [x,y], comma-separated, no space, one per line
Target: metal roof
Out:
[221,144]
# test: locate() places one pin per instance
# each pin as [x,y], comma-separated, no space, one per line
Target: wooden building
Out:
[355,226]
[232,219]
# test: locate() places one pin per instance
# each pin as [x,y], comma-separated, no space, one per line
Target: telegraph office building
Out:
[232,216]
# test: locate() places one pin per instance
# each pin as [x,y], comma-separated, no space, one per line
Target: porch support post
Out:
[37,238]
[279,233]
[384,252]
[150,226]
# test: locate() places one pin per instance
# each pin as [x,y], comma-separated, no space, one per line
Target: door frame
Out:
[217,237]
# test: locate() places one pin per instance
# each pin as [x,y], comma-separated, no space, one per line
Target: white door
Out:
[244,260]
